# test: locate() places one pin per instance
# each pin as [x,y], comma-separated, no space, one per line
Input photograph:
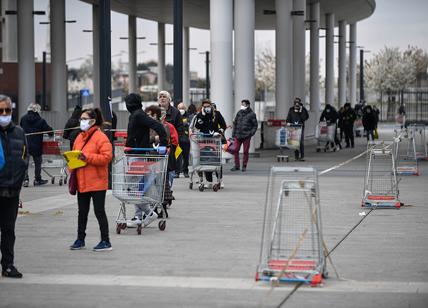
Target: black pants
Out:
[302,146]
[349,136]
[184,157]
[83,201]
[37,168]
[8,214]
[370,135]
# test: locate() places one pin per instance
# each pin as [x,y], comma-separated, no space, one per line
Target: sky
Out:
[395,23]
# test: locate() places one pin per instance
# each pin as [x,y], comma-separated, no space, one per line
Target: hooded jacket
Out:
[329,114]
[245,124]
[32,122]
[297,117]
[71,134]
[369,118]
[139,125]
[349,116]
[16,161]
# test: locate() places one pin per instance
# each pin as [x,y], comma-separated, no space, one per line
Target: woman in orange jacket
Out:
[92,179]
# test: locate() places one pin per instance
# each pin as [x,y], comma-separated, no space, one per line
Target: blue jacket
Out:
[32,122]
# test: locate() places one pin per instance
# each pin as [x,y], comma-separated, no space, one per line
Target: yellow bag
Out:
[375,134]
[71,157]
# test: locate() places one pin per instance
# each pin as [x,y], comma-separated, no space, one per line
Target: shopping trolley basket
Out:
[288,137]
[380,183]
[119,143]
[291,249]
[420,141]
[325,133]
[137,179]
[206,153]
[406,161]
[53,163]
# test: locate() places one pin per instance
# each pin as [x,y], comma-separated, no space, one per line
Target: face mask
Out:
[84,125]
[207,109]
[5,120]
[182,111]
[243,107]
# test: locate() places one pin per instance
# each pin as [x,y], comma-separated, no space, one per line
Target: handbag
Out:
[232,146]
[72,182]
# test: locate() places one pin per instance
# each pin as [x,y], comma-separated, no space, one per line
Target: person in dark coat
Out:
[184,141]
[369,122]
[140,123]
[244,127]
[72,127]
[330,115]
[298,115]
[348,119]
[33,123]
[12,175]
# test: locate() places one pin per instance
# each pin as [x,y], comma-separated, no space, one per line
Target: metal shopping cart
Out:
[292,245]
[406,161]
[418,131]
[53,163]
[325,134]
[119,143]
[206,153]
[380,183]
[287,138]
[137,179]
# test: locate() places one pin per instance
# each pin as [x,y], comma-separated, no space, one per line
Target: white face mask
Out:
[207,109]
[85,125]
[182,111]
[243,107]
[5,120]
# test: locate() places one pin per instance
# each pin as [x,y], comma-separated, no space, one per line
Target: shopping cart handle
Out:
[159,149]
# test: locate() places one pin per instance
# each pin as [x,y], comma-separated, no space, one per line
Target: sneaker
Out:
[103,246]
[134,222]
[186,174]
[235,168]
[244,168]
[40,182]
[148,219]
[301,159]
[26,183]
[11,272]
[77,245]
[209,185]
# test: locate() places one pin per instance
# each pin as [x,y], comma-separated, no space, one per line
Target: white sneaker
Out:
[148,219]
[222,185]
[209,185]
[134,222]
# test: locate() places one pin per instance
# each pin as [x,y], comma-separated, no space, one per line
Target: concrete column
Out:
[96,55]
[26,66]
[314,58]
[353,64]
[342,64]
[59,69]
[299,49]
[186,66]
[244,19]
[284,57]
[329,59]
[221,25]
[161,57]
[132,53]
[9,30]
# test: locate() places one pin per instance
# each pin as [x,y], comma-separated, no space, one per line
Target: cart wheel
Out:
[216,187]
[191,185]
[318,150]
[118,228]
[60,182]
[162,225]
[139,228]
[325,275]
[201,187]
[53,180]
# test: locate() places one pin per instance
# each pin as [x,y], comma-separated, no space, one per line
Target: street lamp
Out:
[362,51]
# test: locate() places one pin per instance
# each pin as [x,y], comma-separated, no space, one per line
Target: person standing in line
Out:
[32,123]
[72,127]
[244,127]
[349,118]
[330,116]
[369,122]
[92,179]
[298,115]
[12,174]
[185,141]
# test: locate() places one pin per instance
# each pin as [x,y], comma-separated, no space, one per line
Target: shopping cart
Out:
[380,183]
[287,138]
[420,141]
[53,163]
[119,143]
[325,134]
[137,179]
[205,152]
[358,127]
[292,244]
[405,153]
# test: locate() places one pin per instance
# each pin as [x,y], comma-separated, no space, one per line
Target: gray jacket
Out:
[15,153]
[245,124]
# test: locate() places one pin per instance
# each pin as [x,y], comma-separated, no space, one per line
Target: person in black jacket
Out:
[72,127]
[297,115]
[33,123]
[369,121]
[348,118]
[330,115]
[11,177]
[244,127]
[184,141]
[139,125]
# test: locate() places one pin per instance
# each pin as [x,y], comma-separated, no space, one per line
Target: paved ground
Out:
[208,253]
